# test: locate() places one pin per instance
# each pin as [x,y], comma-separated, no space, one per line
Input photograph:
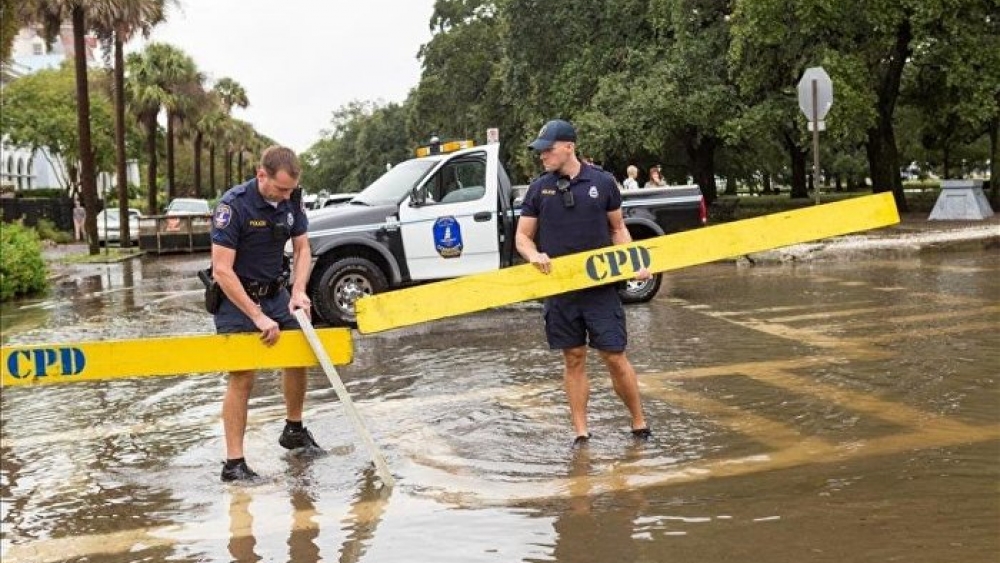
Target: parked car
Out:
[109,227]
[188,206]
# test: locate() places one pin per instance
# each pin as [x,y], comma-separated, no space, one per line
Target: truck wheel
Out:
[343,282]
[640,291]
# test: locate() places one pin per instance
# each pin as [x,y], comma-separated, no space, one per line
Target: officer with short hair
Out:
[250,227]
[575,207]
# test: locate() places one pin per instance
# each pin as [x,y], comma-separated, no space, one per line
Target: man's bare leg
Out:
[577,387]
[234,411]
[626,385]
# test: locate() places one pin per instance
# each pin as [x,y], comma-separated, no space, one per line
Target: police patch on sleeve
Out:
[223,213]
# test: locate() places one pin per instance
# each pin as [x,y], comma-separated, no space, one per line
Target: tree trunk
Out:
[150,124]
[767,184]
[88,172]
[197,164]
[239,165]
[228,169]
[730,185]
[798,158]
[946,163]
[211,171]
[701,152]
[171,187]
[883,156]
[994,181]
[120,164]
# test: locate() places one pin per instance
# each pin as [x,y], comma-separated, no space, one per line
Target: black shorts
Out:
[591,316]
[230,319]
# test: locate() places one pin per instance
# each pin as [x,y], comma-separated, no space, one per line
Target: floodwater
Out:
[835,411]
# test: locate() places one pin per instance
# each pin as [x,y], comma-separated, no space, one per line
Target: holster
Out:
[213,292]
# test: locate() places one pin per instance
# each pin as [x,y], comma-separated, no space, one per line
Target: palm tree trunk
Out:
[151,174]
[125,235]
[171,188]
[197,164]
[211,171]
[88,173]
[228,172]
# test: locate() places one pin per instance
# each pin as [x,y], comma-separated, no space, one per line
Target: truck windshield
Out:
[393,186]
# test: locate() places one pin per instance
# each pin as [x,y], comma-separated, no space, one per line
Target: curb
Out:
[978,238]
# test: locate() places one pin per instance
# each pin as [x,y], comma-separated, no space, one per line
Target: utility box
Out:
[961,200]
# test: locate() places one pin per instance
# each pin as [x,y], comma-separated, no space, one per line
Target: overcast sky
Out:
[299,60]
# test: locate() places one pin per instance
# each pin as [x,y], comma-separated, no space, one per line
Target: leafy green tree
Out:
[364,138]
[39,112]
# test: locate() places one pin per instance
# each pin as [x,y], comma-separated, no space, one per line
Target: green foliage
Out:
[47,231]
[39,110]
[42,193]
[365,138]
[22,270]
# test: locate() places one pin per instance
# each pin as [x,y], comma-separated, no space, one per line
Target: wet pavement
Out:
[803,410]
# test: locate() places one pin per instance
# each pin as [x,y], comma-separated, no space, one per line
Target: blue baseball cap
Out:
[555,130]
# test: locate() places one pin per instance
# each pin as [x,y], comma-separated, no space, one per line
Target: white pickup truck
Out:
[449,215]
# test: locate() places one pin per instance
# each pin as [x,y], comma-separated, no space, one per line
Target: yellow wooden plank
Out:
[178,355]
[588,269]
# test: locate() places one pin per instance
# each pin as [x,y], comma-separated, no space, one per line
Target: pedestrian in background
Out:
[574,207]
[250,227]
[632,182]
[655,179]
[79,218]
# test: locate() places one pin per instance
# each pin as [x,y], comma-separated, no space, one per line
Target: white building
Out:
[21,167]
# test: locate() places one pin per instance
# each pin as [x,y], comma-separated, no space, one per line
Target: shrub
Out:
[47,231]
[22,270]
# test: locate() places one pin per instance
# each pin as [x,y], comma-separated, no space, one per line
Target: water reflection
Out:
[359,524]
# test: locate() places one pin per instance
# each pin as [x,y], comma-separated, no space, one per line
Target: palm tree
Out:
[117,23]
[51,14]
[153,82]
[227,93]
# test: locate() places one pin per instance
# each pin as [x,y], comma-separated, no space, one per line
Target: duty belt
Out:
[261,290]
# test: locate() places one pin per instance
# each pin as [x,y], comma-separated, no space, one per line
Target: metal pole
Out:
[815,123]
[381,468]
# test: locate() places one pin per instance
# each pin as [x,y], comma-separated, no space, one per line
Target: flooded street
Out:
[834,411]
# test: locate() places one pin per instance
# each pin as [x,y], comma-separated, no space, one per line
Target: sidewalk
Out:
[913,234]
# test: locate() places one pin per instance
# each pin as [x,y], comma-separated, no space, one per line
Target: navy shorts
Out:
[590,316]
[230,319]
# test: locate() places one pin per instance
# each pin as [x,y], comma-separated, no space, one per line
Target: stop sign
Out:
[824,93]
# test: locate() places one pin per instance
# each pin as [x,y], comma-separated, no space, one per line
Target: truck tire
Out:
[640,291]
[341,284]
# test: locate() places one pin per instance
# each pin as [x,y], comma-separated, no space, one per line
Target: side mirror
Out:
[418,197]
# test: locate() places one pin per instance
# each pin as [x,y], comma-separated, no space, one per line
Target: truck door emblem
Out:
[448,237]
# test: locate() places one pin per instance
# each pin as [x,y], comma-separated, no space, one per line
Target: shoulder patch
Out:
[223,213]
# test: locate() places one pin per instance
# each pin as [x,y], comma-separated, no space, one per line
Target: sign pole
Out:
[815,124]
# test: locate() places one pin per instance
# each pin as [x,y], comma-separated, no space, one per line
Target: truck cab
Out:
[443,216]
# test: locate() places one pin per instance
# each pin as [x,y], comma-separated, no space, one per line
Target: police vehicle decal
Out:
[447,237]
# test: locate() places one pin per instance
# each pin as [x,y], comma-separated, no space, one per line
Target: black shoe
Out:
[642,434]
[292,439]
[581,441]
[238,472]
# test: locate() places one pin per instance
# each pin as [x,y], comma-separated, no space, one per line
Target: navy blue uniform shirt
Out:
[565,230]
[247,223]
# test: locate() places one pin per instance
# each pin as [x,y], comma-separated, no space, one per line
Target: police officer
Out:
[250,227]
[574,207]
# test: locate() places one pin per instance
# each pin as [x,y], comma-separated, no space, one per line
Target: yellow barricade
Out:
[588,269]
[179,355]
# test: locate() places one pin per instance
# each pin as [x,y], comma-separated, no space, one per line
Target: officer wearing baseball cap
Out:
[552,132]
[576,207]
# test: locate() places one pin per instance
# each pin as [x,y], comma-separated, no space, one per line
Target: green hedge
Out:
[22,270]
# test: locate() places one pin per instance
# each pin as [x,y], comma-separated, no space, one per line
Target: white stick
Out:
[338,386]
